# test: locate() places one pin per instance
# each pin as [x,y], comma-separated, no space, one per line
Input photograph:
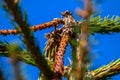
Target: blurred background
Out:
[104,48]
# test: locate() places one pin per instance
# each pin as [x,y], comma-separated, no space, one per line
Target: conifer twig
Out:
[107,71]
[23,56]
[56,22]
[21,20]
[13,49]
[102,73]
[104,25]
[58,66]
[96,25]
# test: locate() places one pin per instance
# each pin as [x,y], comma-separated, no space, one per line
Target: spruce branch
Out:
[21,20]
[56,22]
[102,73]
[104,25]
[107,71]
[97,24]
[23,55]
[56,54]
[13,49]
[101,25]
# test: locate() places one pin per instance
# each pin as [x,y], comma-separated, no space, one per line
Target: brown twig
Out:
[56,22]
[82,50]
[87,11]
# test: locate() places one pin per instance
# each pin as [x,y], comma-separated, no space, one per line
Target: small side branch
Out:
[56,22]
[107,71]
[23,56]
[102,73]
[21,20]
[13,49]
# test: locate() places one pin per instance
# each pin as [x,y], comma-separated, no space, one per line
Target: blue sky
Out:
[104,50]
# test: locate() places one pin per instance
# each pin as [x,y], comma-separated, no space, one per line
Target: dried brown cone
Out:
[52,44]
[59,55]
[56,22]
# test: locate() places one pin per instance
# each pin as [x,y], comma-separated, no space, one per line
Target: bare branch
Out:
[82,50]
[87,11]
[56,22]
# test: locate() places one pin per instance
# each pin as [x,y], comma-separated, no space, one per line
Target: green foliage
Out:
[21,20]
[104,25]
[23,55]
[32,54]
[107,71]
